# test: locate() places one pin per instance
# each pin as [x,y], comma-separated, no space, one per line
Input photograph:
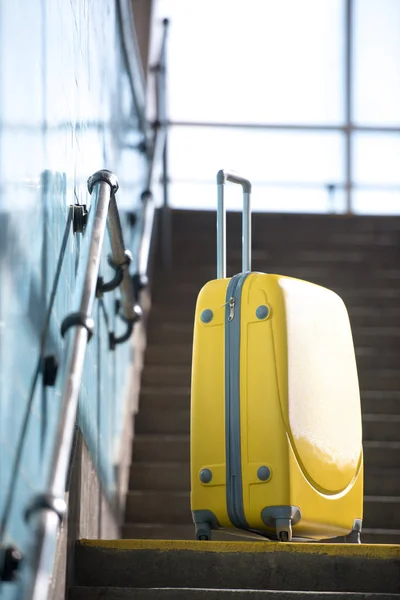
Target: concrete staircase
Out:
[359,258]
[154,570]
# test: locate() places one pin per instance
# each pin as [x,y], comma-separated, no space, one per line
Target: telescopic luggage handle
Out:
[223,176]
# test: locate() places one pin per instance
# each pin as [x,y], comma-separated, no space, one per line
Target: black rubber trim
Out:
[108,286]
[105,176]
[115,340]
[10,560]
[128,258]
[77,318]
[46,502]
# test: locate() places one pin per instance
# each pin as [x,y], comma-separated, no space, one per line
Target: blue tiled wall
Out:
[65,106]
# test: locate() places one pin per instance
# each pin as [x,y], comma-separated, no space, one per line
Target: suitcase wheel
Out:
[284,530]
[354,536]
[203,531]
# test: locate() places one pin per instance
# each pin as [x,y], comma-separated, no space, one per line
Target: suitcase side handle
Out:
[222,177]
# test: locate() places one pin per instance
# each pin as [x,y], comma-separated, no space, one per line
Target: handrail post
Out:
[348,105]
[162,124]
[166,246]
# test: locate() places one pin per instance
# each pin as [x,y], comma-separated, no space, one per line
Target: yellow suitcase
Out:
[276,432]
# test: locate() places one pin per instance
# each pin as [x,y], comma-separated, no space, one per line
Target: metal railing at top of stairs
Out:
[156,151]
[46,511]
[160,148]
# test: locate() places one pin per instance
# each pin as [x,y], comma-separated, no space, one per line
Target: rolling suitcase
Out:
[276,432]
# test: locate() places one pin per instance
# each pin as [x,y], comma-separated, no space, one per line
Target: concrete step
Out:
[167,326]
[380,536]
[304,262]
[170,300]
[379,379]
[163,476]
[118,593]
[380,402]
[381,454]
[165,421]
[381,482]
[331,267]
[175,448]
[330,228]
[342,264]
[378,357]
[236,565]
[163,331]
[173,354]
[368,312]
[176,476]
[379,427]
[156,397]
[366,307]
[275,232]
[367,356]
[338,276]
[296,232]
[166,375]
[280,246]
[167,331]
[381,512]
[158,506]
[344,283]
[356,226]
[286,243]
[187,532]
[179,321]
[268,252]
[173,507]
[158,531]
[386,339]
[164,531]
[162,448]
[159,397]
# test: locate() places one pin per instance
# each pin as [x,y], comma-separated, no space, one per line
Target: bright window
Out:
[260,87]
[377,62]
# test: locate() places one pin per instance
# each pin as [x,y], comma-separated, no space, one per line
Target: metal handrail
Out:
[46,510]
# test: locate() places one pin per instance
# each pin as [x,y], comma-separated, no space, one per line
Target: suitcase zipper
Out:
[231,309]
[234,490]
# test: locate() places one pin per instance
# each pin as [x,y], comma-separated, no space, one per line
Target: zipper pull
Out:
[231,304]
[231,308]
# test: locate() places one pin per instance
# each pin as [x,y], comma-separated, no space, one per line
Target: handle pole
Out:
[221,233]
[246,233]
[223,176]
